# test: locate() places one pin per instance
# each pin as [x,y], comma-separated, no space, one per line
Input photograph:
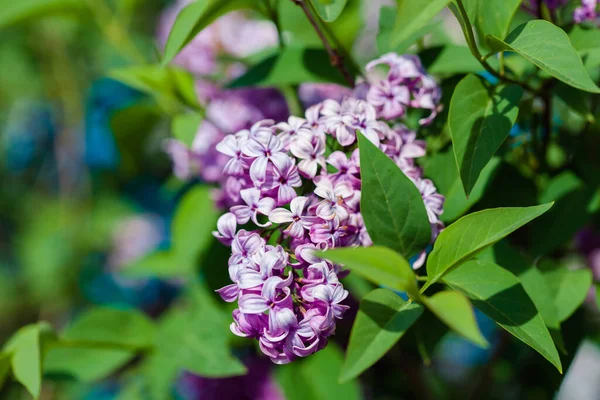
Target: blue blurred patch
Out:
[106,96]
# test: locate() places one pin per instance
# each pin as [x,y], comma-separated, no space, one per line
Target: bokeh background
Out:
[88,191]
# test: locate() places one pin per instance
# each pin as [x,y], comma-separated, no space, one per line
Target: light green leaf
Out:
[25,349]
[378,264]
[15,12]
[319,376]
[494,16]
[194,18]
[84,363]
[291,66]
[109,326]
[441,168]
[391,204]
[499,294]
[569,288]
[193,223]
[329,10]
[383,317]
[473,233]
[412,15]
[456,311]
[185,127]
[547,46]
[597,290]
[480,119]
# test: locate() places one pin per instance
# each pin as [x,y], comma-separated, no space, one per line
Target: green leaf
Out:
[387,21]
[560,186]
[319,376]
[391,204]
[25,349]
[412,15]
[569,288]
[547,46]
[194,18]
[291,66]
[109,326]
[473,233]
[455,311]
[185,127]
[383,317]
[499,294]
[378,264]
[85,364]
[576,100]
[597,290]
[480,119]
[15,12]
[193,223]
[441,168]
[453,60]
[584,40]
[494,16]
[192,337]
[329,10]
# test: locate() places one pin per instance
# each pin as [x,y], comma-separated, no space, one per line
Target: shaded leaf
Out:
[391,204]
[456,311]
[480,119]
[4,368]
[378,264]
[383,317]
[473,233]
[15,12]
[569,287]
[499,294]
[494,16]
[547,46]
[387,21]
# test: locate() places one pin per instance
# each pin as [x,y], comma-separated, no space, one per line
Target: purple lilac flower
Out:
[405,86]
[588,11]
[532,6]
[277,181]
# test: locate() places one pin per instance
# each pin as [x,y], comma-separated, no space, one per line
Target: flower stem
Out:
[470,37]
[335,58]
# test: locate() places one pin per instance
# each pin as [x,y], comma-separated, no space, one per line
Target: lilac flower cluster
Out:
[588,11]
[294,187]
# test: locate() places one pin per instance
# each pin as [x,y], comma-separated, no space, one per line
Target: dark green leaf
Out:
[194,18]
[480,119]
[455,311]
[185,127]
[109,326]
[4,368]
[391,204]
[387,21]
[494,16]
[329,10]
[576,100]
[547,46]
[473,233]
[383,317]
[319,376]
[441,168]
[499,295]
[380,265]
[412,15]
[15,12]
[532,280]
[291,66]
